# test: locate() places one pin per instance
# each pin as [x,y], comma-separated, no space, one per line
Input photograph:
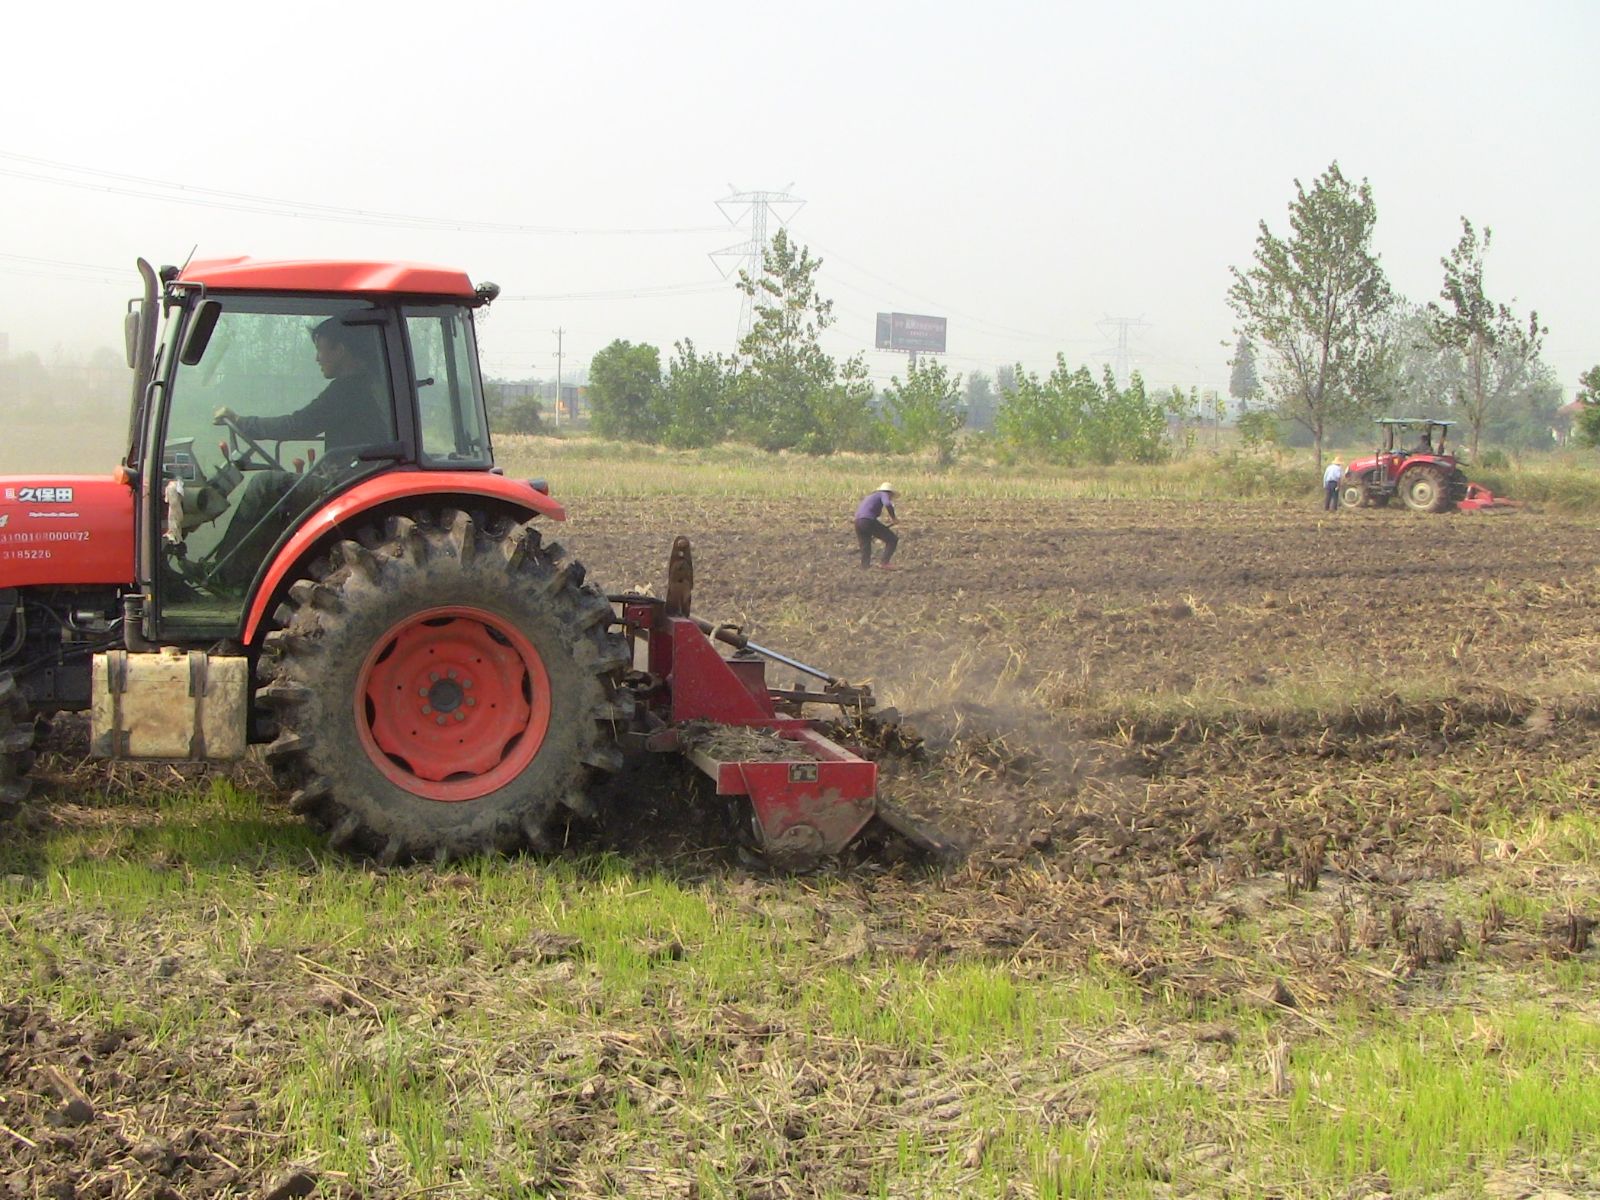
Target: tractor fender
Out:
[432,486]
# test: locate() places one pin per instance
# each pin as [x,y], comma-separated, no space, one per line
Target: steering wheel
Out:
[252,446]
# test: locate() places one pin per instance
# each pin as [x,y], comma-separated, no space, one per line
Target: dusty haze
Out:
[1031,173]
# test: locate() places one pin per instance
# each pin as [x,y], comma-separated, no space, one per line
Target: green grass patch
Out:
[452,1068]
[1420,1103]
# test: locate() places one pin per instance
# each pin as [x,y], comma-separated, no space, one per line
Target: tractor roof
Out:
[260,275]
[1410,421]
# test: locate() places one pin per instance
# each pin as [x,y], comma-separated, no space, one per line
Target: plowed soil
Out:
[1153,729]
[1129,710]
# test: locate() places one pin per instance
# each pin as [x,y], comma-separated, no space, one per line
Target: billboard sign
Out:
[908,331]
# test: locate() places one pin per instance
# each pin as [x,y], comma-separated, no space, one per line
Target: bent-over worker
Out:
[870,525]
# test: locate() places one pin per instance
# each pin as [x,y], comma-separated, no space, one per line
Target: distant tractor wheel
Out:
[1425,489]
[16,746]
[442,688]
[1353,493]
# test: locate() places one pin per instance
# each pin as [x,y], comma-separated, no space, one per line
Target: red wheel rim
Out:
[452,703]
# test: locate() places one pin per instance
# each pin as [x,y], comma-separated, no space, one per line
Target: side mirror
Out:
[199,334]
[130,335]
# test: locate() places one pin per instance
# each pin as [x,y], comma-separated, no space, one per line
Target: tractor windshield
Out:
[453,431]
[270,421]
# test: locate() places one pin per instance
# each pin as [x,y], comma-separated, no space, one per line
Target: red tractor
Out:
[308,545]
[1412,464]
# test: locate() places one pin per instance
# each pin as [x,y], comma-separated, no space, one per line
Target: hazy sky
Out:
[1033,172]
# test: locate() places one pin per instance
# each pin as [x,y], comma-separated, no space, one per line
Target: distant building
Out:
[522,389]
[574,400]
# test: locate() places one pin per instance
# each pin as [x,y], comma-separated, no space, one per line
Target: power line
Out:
[116,183]
[47,268]
[665,290]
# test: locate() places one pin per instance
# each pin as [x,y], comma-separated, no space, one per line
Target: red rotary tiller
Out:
[809,796]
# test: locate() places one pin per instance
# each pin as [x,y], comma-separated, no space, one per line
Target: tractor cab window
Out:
[265,426]
[453,431]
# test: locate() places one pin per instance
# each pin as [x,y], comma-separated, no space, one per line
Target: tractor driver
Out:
[348,414]
[1424,442]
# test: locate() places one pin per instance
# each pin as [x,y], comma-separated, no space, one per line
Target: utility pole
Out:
[559,332]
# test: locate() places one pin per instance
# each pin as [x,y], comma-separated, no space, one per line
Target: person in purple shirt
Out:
[870,525]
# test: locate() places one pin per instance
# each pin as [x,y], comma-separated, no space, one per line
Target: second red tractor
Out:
[1411,463]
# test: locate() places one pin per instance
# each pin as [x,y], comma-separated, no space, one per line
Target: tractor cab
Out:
[1411,462]
[273,389]
[1405,436]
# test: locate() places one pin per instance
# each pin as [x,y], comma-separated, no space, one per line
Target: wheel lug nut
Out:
[466,683]
[460,716]
[441,718]
[422,691]
[451,674]
[470,702]
[426,709]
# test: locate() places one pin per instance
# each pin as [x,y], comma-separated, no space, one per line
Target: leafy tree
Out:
[696,398]
[981,401]
[1005,381]
[1047,416]
[1529,414]
[1498,349]
[1258,429]
[786,375]
[1132,425]
[842,413]
[1313,300]
[1244,384]
[1589,418]
[1418,377]
[1071,418]
[624,387]
[926,409]
[520,413]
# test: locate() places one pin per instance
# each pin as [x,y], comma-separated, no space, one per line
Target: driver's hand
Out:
[223,415]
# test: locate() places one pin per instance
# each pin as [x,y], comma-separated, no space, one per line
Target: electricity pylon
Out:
[1122,353]
[750,255]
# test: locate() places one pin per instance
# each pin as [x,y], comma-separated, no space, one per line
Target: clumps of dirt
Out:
[106,1114]
[662,811]
[1351,839]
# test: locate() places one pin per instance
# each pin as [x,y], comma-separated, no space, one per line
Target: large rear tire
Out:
[16,746]
[1425,489]
[444,688]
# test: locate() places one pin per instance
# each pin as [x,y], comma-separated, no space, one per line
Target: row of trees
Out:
[1340,344]
[782,391]
[1589,397]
